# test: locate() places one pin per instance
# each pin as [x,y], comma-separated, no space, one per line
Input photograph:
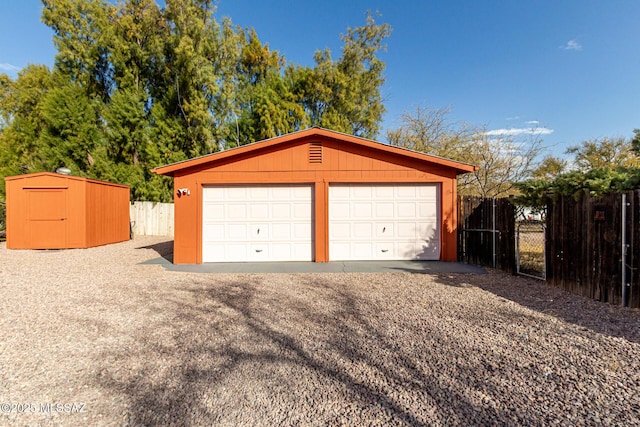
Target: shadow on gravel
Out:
[320,355]
[602,318]
[164,249]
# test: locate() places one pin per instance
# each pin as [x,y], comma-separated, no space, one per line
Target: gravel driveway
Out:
[127,344]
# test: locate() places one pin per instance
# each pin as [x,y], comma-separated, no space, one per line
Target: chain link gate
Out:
[530,249]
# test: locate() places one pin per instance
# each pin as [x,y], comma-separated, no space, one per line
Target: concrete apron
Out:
[424,267]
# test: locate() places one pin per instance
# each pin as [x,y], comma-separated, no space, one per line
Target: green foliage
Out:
[604,153]
[137,85]
[603,165]
[549,168]
[344,95]
[595,182]
[635,142]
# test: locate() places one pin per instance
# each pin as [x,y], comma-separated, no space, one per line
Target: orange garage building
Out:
[54,211]
[314,195]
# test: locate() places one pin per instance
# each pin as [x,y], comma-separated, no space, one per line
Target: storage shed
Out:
[54,211]
[314,195]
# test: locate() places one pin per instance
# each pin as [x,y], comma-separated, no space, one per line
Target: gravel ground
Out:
[127,344]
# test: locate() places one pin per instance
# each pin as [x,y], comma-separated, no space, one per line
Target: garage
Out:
[257,223]
[314,195]
[391,222]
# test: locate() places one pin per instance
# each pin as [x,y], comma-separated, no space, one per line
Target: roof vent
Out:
[63,171]
[315,152]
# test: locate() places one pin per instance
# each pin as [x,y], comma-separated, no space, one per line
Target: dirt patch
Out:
[137,345]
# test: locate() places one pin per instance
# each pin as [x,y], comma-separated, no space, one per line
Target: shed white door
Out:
[257,223]
[395,222]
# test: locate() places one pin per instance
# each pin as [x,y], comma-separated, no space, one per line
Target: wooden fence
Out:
[151,219]
[584,246]
[479,221]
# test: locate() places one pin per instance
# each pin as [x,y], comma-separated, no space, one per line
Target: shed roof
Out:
[61,176]
[172,168]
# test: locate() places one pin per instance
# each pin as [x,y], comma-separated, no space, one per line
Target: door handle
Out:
[385,250]
[258,250]
[258,230]
[384,229]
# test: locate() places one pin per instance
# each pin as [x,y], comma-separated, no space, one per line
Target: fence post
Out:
[623,258]
[494,233]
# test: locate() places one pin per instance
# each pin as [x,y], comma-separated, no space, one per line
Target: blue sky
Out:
[571,67]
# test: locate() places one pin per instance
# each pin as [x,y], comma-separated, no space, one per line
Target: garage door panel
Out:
[236,193]
[385,230]
[236,211]
[385,210]
[340,231]
[340,193]
[384,250]
[301,232]
[261,223]
[213,210]
[361,193]
[384,191]
[214,232]
[362,210]
[427,231]
[280,211]
[281,231]
[407,230]
[212,194]
[406,192]
[340,210]
[301,211]
[236,232]
[406,210]
[301,192]
[281,193]
[427,210]
[258,211]
[395,222]
[363,230]
[258,193]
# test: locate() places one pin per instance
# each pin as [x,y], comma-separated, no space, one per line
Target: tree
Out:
[81,35]
[503,160]
[549,168]
[22,112]
[136,85]
[604,153]
[72,132]
[344,95]
[635,142]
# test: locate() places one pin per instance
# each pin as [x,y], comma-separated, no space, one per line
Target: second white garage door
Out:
[369,222]
[257,223]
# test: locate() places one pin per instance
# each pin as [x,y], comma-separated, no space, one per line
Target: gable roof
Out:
[170,169]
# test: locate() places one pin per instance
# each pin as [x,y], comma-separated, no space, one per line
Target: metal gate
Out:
[530,249]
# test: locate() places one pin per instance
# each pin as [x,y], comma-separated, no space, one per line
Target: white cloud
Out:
[572,45]
[519,131]
[513,118]
[9,67]
[533,122]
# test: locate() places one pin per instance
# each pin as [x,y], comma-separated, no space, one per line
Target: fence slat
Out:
[152,219]
[584,246]
[475,232]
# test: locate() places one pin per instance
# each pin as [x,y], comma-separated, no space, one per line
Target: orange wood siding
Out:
[288,164]
[107,213]
[52,211]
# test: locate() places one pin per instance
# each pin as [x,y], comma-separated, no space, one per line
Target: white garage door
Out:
[369,222]
[257,223]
